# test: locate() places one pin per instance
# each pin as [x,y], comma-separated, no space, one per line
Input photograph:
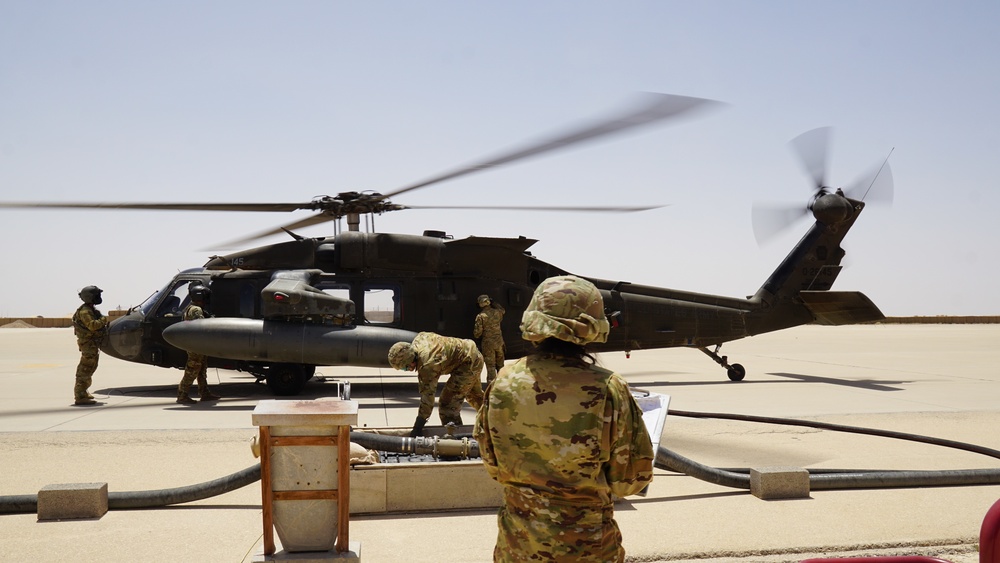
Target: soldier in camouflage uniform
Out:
[89,326]
[488,328]
[431,356]
[562,435]
[197,364]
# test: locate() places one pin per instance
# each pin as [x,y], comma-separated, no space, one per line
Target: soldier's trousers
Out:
[571,532]
[463,384]
[493,355]
[89,355]
[196,368]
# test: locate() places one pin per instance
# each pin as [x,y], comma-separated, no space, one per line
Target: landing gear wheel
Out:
[286,379]
[736,372]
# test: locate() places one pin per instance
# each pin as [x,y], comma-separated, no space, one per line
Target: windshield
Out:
[147,305]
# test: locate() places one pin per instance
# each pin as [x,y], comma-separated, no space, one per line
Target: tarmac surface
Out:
[935,380]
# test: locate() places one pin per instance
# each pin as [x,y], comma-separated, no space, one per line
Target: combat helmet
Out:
[568,308]
[199,293]
[401,355]
[91,295]
[483,300]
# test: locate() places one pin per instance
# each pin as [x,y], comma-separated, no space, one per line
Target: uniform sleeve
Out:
[481,431]
[92,320]
[630,468]
[477,330]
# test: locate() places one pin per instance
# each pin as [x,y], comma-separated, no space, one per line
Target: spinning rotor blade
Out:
[813,148]
[307,222]
[874,187]
[655,107]
[770,220]
[594,209]
[284,207]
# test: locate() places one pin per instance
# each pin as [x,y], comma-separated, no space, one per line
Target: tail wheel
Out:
[736,372]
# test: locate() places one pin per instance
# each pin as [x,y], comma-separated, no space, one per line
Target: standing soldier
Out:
[431,356]
[89,325]
[562,435]
[197,364]
[488,328]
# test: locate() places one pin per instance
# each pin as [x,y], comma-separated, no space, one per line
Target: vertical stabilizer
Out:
[812,265]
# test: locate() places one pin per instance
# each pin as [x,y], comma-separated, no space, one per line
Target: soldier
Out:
[431,356]
[488,328]
[89,325]
[197,364]
[562,435]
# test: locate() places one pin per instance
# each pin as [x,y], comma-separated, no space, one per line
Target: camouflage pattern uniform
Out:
[438,355]
[562,436]
[89,326]
[196,367]
[488,328]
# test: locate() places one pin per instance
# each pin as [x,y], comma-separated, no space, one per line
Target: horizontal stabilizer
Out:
[840,307]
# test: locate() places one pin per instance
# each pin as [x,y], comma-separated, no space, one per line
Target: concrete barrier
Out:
[72,501]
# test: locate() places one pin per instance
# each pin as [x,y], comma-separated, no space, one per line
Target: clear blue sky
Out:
[281,101]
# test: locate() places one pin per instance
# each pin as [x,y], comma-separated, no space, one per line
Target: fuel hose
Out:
[836,479]
[739,478]
[129,500]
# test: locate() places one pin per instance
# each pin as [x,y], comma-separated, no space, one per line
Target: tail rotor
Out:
[826,205]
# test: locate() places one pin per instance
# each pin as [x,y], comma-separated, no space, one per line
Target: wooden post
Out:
[343,487]
[265,489]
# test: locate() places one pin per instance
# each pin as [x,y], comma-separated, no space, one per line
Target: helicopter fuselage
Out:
[344,300]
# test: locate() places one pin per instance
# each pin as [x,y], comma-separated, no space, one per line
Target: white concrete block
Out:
[769,483]
[72,500]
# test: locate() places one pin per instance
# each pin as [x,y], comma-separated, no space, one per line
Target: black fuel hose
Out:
[665,459]
[837,479]
[128,500]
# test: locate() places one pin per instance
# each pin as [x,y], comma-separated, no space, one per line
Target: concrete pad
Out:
[935,380]
[352,555]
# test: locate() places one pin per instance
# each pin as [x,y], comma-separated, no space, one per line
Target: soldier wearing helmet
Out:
[562,435]
[89,326]
[431,356]
[487,328]
[197,364]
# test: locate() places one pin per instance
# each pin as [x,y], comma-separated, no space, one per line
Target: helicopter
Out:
[279,311]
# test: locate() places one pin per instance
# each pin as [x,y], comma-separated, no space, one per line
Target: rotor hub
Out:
[832,208]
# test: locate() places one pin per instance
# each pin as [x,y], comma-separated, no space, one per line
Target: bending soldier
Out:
[562,435]
[197,364]
[431,356]
[89,325]
[488,328]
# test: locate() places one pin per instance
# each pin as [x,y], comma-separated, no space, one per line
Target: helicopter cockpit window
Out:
[381,305]
[147,306]
[173,305]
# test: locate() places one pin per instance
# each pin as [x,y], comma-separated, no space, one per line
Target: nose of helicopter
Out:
[124,337]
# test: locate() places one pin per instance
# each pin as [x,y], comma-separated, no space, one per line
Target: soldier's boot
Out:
[85,401]
[418,427]
[184,399]
[454,419]
[207,395]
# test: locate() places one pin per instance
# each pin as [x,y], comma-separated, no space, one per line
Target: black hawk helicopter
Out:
[278,311]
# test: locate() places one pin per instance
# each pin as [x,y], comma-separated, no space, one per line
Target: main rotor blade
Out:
[593,209]
[770,220]
[165,206]
[655,107]
[813,148]
[307,222]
